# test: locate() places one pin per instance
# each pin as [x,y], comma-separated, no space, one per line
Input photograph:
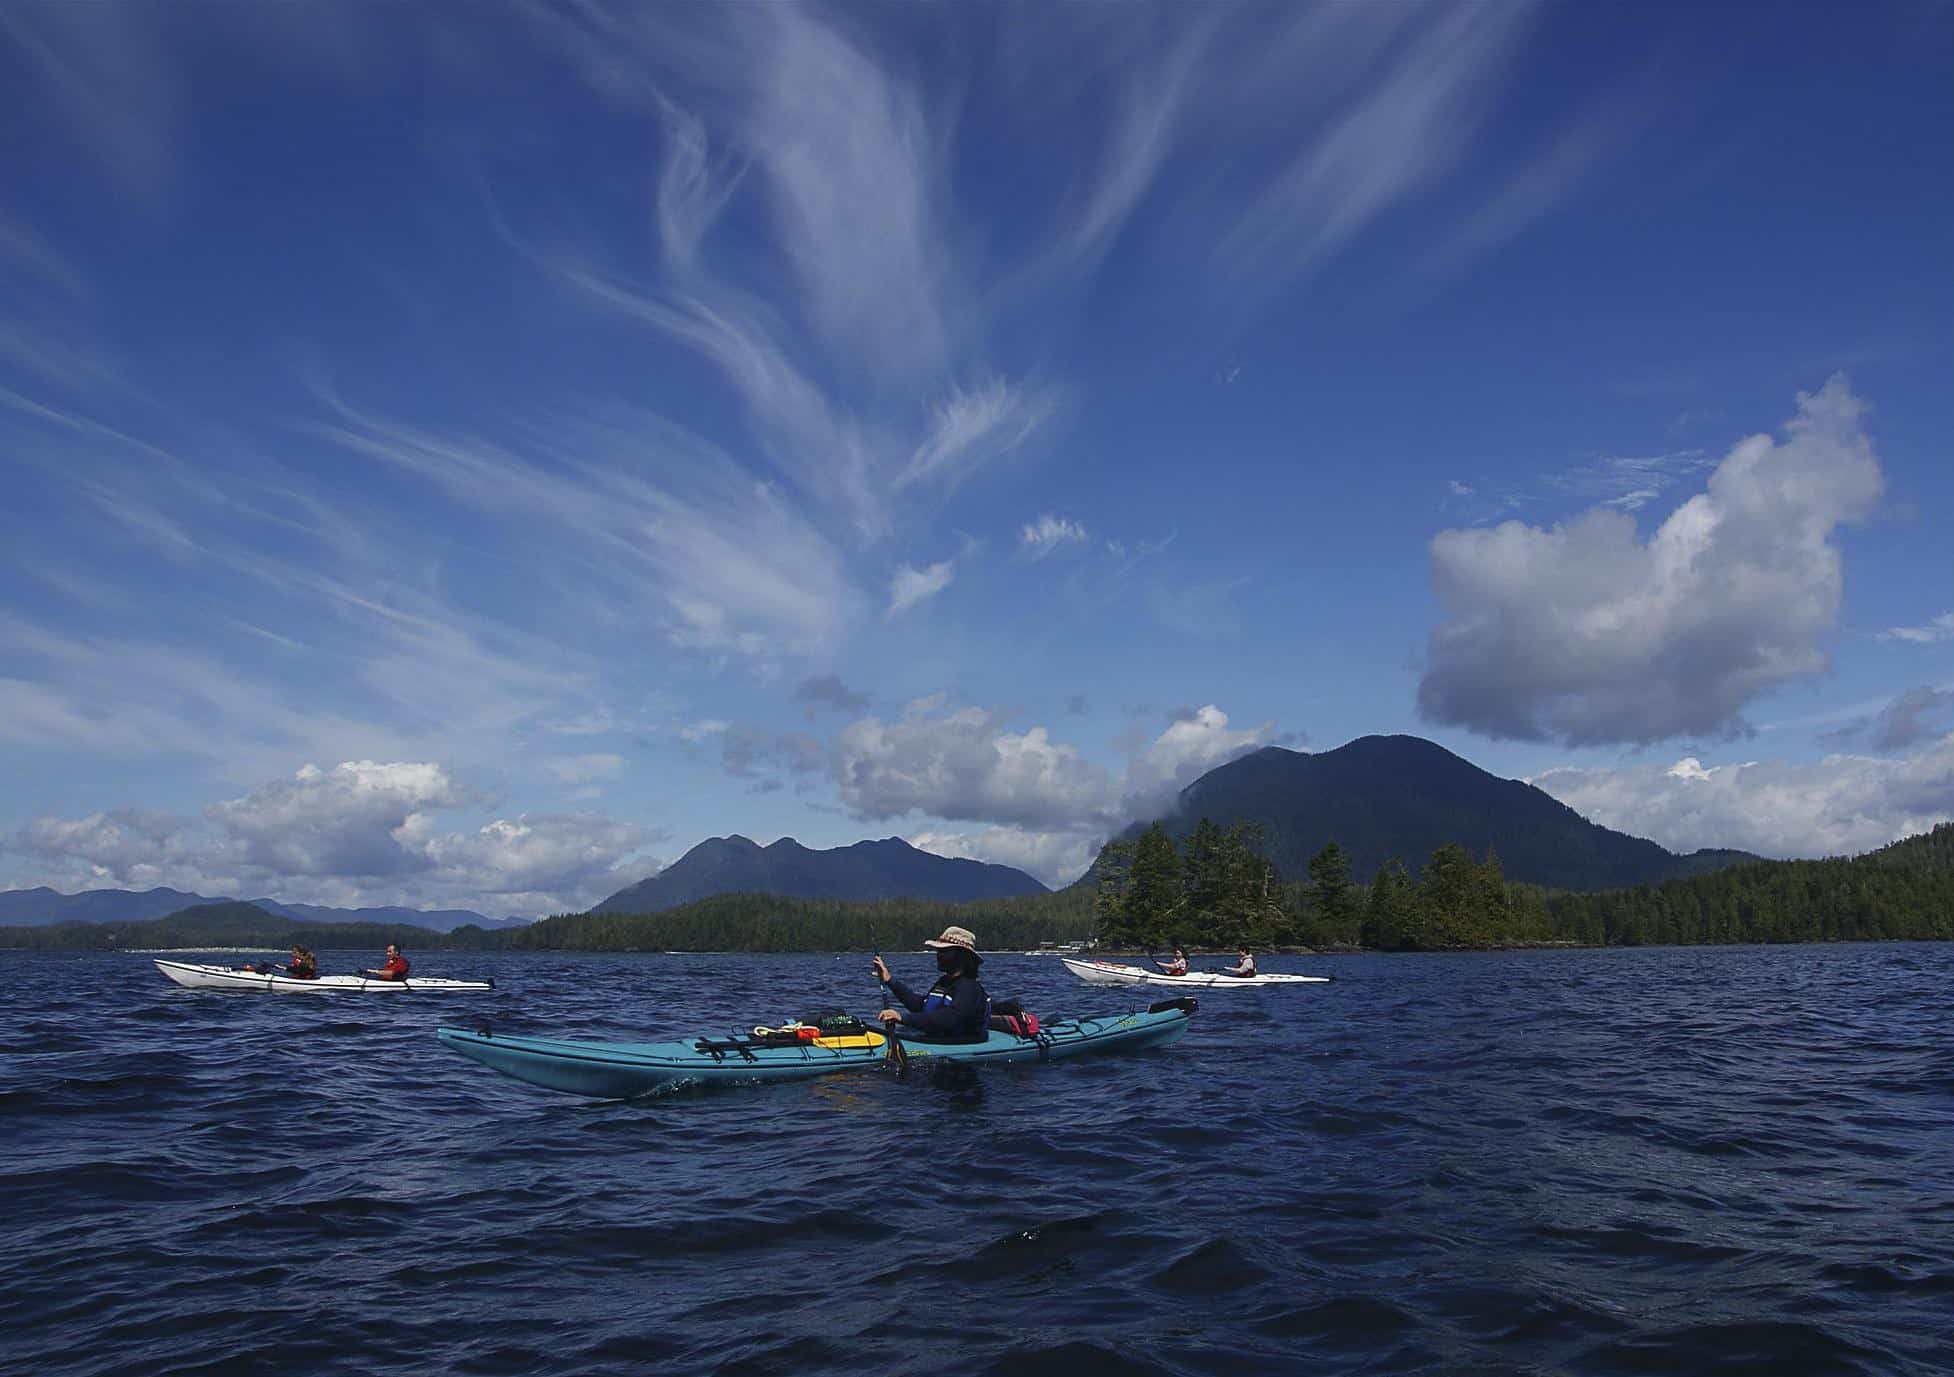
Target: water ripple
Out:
[1599,1162]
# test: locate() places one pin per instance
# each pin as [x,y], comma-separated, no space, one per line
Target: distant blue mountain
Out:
[27,908]
[887,869]
[439,919]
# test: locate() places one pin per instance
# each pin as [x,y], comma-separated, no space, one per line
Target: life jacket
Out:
[395,969]
[940,994]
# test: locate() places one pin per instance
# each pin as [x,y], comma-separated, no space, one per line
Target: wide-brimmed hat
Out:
[955,937]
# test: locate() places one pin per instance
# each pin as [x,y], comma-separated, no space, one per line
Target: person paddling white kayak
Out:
[1177,966]
[1244,966]
[302,966]
[395,969]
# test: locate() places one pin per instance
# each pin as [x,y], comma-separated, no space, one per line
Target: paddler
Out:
[956,1009]
[1178,966]
[395,969]
[1245,966]
[300,967]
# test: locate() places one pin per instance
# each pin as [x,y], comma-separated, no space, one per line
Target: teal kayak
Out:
[615,1070]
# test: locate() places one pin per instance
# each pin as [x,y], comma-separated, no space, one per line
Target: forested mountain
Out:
[224,923]
[764,922]
[1381,797]
[1904,891]
[1217,889]
[725,922]
[868,870]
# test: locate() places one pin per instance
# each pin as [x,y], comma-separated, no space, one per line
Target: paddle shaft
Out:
[892,1053]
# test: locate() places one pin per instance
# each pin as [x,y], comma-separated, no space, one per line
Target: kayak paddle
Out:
[892,1052]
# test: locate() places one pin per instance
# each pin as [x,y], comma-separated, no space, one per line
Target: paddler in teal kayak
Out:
[956,1009]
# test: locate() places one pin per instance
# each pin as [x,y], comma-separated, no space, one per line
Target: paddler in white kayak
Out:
[1178,966]
[956,1009]
[395,969]
[1244,966]
[303,966]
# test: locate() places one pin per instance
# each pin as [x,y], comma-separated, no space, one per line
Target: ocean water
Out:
[1728,1160]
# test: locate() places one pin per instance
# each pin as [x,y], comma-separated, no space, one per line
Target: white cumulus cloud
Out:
[1587,634]
[361,817]
[966,766]
[360,833]
[1195,742]
[1841,805]
[1053,858]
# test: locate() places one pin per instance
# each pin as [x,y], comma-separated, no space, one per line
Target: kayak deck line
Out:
[619,1070]
[193,976]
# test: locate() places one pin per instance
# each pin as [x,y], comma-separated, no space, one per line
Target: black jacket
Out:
[956,1009]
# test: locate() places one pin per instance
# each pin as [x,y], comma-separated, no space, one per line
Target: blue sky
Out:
[471,454]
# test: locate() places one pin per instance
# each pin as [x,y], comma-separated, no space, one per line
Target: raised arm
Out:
[907,997]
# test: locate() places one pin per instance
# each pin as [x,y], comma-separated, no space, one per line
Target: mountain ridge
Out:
[41,906]
[1403,797]
[889,868]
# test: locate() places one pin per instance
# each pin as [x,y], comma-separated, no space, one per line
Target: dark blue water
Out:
[1675,1160]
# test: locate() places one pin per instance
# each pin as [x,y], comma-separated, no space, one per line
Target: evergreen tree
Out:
[1115,871]
[1329,893]
[1154,891]
[1204,866]
[1389,921]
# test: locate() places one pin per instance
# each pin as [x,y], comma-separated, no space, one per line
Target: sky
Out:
[466,455]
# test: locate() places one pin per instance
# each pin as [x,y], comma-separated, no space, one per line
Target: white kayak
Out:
[197,977]
[1110,973]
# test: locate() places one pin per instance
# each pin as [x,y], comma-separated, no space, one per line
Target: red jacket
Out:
[395,969]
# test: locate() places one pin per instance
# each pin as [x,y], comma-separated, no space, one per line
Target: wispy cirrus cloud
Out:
[828,690]
[911,586]
[736,565]
[1630,482]
[1432,87]
[1941,628]
[1041,537]
[971,427]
